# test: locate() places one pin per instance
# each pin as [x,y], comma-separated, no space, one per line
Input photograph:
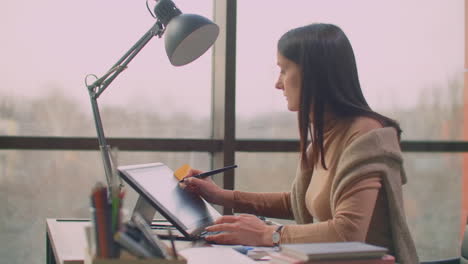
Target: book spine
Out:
[387,259]
[280,258]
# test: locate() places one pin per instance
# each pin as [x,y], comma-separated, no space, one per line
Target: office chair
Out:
[463,259]
[464,248]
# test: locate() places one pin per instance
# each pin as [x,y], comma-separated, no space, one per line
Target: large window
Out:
[253,175]
[433,201]
[50,46]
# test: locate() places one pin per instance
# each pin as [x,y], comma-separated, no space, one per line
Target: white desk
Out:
[66,243]
[66,240]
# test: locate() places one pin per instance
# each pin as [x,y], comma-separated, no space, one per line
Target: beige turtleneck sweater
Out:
[344,203]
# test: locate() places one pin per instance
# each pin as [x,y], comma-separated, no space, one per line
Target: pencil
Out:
[209,173]
[174,250]
[100,198]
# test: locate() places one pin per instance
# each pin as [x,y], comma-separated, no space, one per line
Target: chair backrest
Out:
[464,248]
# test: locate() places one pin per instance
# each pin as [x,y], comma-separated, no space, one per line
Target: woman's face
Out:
[289,81]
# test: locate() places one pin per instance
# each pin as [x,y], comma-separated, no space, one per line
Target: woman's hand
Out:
[207,189]
[241,229]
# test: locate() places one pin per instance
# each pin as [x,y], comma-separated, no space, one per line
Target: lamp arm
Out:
[104,148]
[97,88]
[102,83]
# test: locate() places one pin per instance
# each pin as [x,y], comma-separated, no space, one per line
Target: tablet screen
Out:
[156,182]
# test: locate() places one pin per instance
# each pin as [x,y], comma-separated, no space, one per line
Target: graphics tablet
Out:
[156,183]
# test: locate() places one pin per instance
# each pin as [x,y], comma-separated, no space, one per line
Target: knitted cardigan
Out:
[374,152]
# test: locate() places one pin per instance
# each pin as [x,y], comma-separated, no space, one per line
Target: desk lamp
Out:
[187,37]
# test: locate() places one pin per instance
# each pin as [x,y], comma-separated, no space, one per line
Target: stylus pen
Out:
[209,173]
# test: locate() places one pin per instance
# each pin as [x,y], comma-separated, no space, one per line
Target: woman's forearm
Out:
[225,198]
[275,205]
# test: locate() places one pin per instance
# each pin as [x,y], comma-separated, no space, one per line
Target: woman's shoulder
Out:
[364,124]
[360,126]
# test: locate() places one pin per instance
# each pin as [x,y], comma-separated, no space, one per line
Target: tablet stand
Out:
[145,209]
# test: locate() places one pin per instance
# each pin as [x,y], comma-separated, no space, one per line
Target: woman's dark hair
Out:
[329,82]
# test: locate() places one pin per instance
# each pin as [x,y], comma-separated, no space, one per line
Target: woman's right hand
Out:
[207,189]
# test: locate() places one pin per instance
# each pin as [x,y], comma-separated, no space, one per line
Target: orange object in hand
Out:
[181,172]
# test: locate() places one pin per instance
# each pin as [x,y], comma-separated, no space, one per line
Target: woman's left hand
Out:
[243,229]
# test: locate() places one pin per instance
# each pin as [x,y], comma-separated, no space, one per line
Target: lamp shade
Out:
[187,37]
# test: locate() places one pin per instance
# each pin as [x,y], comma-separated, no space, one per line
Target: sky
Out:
[402,47]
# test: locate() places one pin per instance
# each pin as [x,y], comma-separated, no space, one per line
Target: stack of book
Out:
[332,253]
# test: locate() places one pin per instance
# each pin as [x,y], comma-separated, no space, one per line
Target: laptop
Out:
[157,185]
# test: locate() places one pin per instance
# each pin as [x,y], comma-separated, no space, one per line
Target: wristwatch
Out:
[276,237]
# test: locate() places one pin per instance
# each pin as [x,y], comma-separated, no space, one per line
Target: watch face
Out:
[276,237]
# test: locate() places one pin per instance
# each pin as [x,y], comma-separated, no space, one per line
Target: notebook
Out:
[336,250]
[278,258]
[155,182]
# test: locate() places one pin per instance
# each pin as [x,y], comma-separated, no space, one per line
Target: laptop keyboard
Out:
[208,233]
[160,228]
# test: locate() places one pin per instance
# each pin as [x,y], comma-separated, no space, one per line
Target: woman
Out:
[348,183]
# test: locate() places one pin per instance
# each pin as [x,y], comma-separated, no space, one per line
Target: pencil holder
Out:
[105,245]
[106,219]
